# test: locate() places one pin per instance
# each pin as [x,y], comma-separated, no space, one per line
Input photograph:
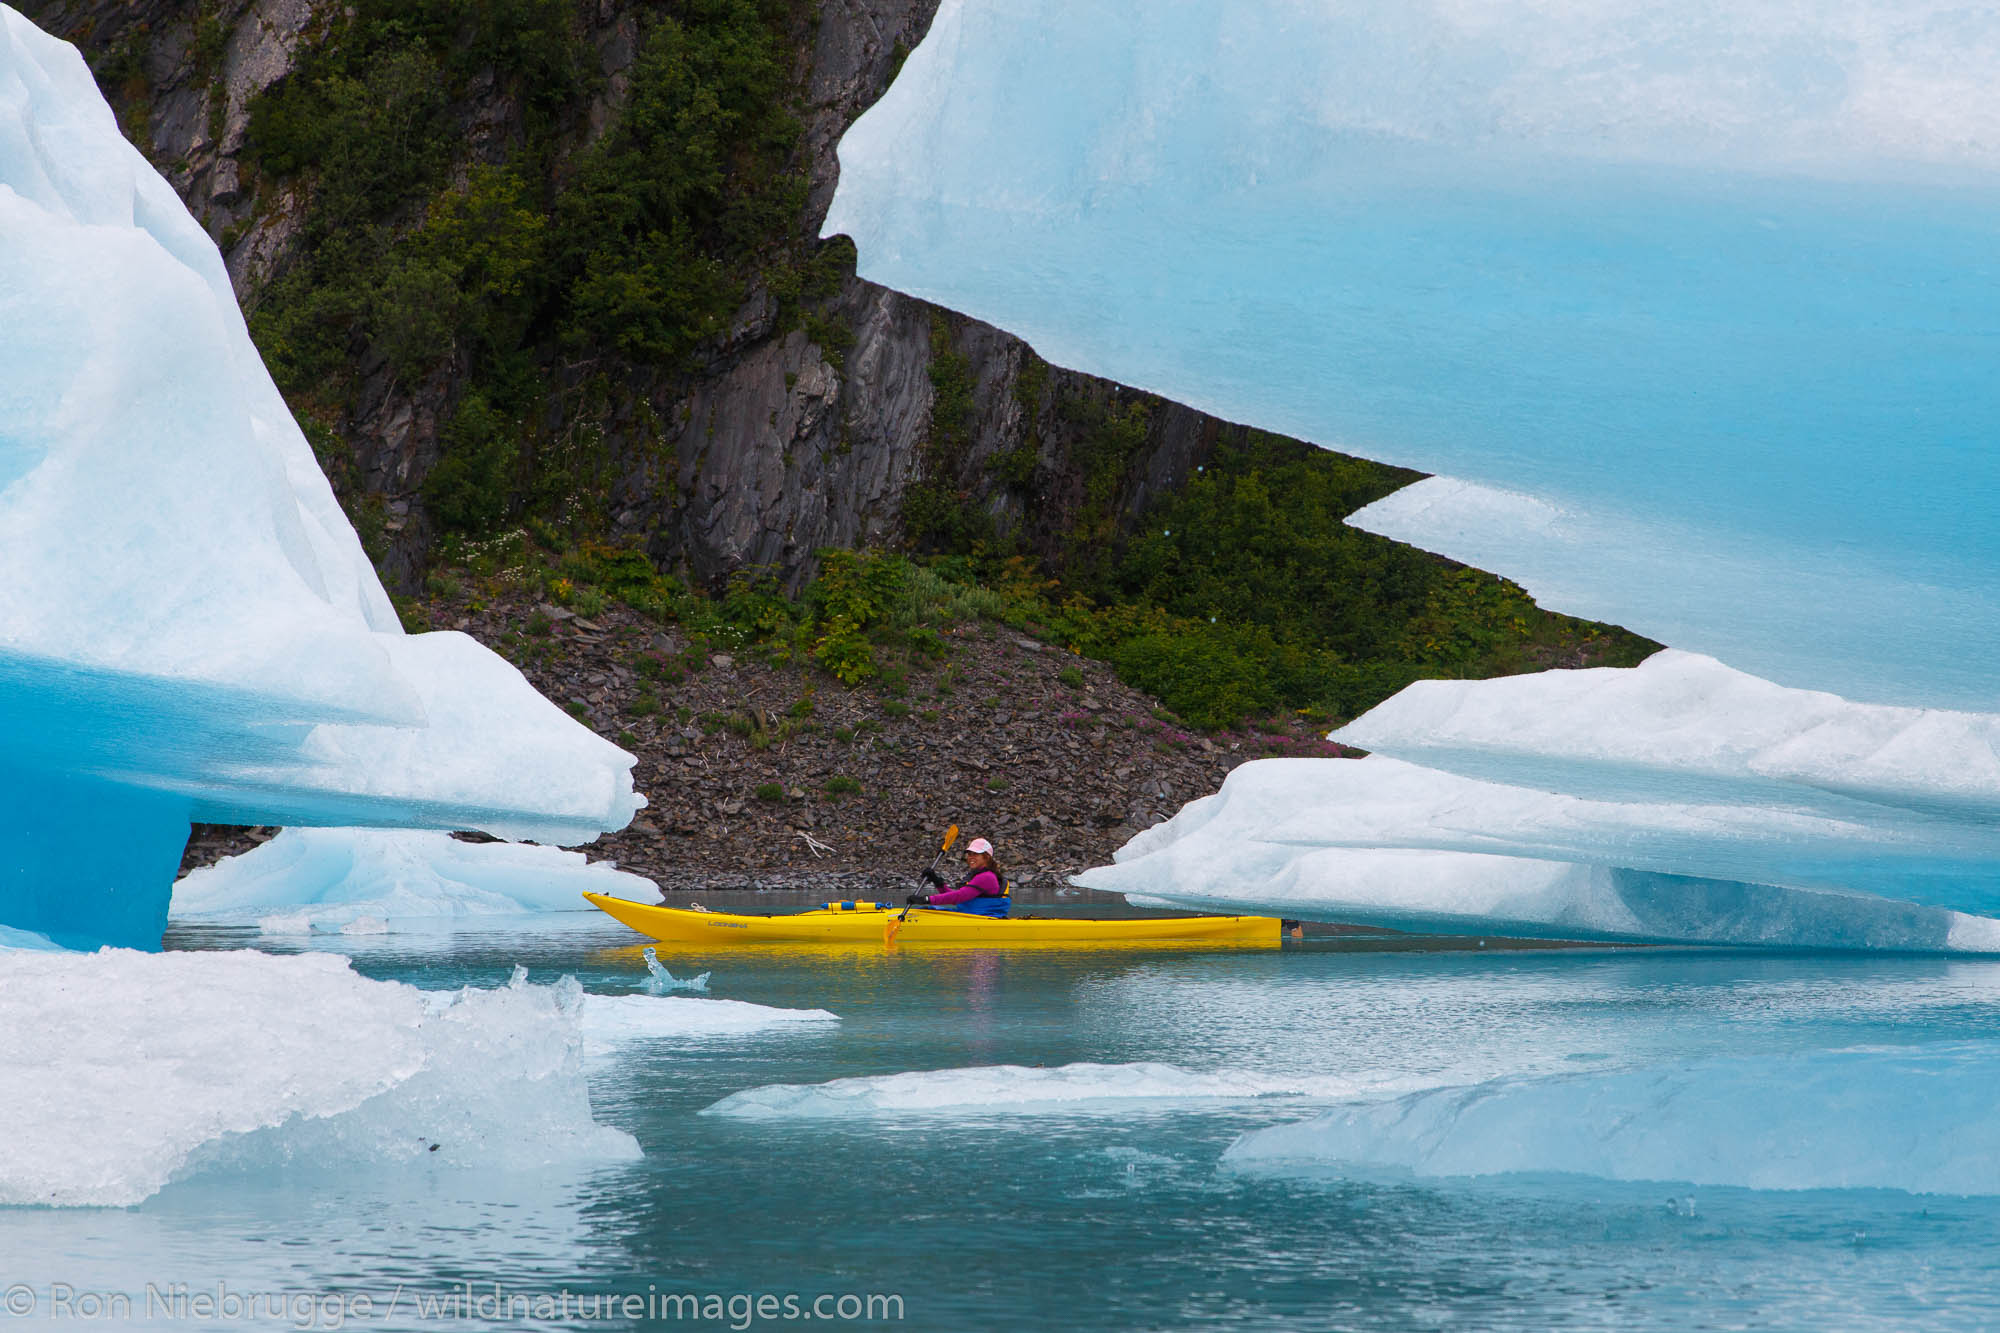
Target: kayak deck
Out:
[882,924]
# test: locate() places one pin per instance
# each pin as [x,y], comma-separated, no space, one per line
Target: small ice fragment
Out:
[661,981]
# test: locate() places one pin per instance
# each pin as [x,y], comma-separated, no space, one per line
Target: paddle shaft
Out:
[950,837]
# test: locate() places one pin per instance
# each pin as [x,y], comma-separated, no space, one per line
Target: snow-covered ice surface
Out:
[1916,1119]
[332,879]
[1694,303]
[126,1070]
[1022,1090]
[173,649]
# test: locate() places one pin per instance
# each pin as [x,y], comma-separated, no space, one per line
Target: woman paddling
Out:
[982,891]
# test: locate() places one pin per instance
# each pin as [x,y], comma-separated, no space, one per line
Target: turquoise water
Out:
[1106,1215]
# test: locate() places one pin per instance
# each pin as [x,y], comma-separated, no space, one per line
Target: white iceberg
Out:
[190,630]
[128,1070]
[610,1022]
[1679,801]
[1082,1088]
[334,879]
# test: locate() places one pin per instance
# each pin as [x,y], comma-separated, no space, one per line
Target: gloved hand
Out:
[917,899]
[932,876]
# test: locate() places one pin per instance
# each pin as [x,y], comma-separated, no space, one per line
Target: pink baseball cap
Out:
[980,845]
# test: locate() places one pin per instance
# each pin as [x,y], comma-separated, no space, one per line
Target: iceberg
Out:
[1916,1119]
[333,879]
[190,630]
[610,1022]
[129,1070]
[1693,305]
[1082,1088]
[1692,311]
[1678,801]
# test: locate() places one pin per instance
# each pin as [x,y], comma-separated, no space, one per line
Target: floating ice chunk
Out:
[333,879]
[1382,842]
[172,648]
[1698,294]
[1916,1119]
[1023,1090]
[610,1021]
[659,981]
[127,1069]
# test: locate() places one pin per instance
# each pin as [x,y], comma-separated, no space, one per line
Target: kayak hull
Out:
[872,923]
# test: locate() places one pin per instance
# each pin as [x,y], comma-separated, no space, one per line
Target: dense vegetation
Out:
[543,272]
[548,278]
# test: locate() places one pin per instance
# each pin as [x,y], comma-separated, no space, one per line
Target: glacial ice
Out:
[612,1021]
[127,1070]
[1679,801]
[1694,304]
[659,981]
[1022,1090]
[174,648]
[1694,309]
[1916,1119]
[328,879]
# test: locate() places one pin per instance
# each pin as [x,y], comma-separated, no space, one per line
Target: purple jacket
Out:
[985,884]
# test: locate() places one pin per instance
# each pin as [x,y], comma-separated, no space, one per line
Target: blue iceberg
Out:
[190,630]
[1693,310]
[373,881]
[1695,305]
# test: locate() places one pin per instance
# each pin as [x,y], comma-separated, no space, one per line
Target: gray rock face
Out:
[778,447]
[196,107]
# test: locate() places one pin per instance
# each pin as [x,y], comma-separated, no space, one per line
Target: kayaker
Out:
[981,888]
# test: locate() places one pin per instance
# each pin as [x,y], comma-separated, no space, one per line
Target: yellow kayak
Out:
[856,923]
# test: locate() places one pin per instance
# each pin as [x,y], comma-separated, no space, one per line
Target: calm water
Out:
[1096,1215]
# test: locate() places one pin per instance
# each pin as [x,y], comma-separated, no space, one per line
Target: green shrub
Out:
[469,488]
[840,785]
[770,792]
[843,649]
[1071,677]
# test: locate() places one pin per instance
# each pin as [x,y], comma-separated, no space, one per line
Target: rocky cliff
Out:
[880,420]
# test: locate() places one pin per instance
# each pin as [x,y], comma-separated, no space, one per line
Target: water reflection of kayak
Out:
[862,922]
